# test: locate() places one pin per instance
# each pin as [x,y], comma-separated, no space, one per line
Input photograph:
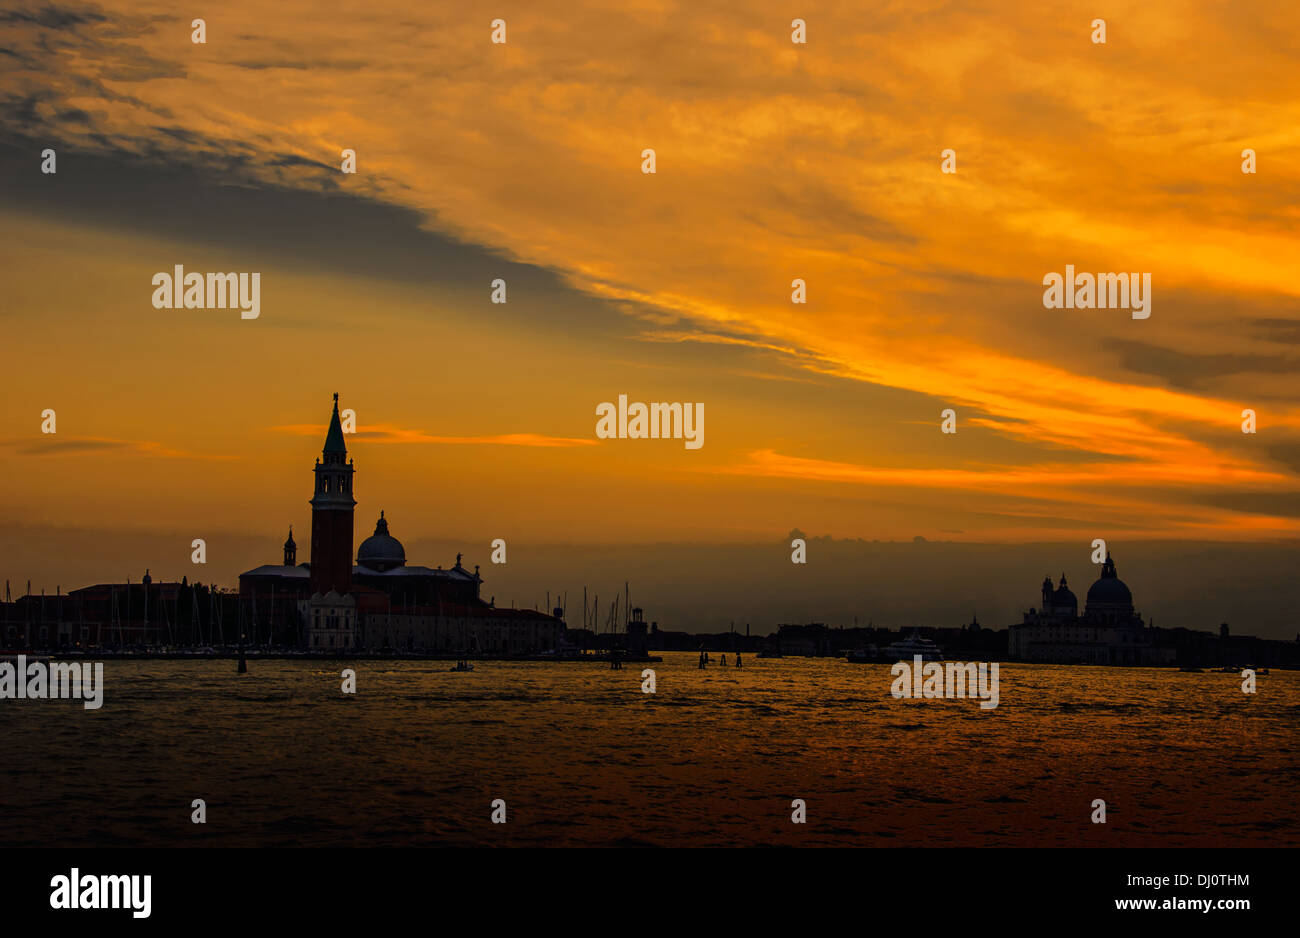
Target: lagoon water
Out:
[582,757]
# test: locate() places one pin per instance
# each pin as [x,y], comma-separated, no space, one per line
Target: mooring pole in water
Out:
[243,665]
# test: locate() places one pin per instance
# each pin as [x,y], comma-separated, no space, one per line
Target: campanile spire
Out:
[332,507]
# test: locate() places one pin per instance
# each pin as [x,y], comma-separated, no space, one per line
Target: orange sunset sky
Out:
[775,161]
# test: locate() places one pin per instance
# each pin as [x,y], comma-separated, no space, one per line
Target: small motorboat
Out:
[462,666]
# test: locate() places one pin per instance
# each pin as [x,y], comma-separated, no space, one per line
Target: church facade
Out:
[1109,631]
[379,602]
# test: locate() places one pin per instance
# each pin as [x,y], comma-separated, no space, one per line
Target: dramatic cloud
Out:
[776,162]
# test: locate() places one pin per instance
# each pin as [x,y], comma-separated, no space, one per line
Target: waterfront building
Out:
[131,615]
[808,641]
[379,602]
[1110,631]
[637,634]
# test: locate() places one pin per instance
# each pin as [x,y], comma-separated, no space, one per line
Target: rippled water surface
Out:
[582,757]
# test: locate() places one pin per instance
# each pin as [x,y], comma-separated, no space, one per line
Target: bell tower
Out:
[331,514]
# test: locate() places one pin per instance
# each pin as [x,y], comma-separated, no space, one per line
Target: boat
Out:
[563,649]
[1192,670]
[768,653]
[462,666]
[909,648]
[861,655]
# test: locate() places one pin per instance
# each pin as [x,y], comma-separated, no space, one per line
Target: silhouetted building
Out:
[332,505]
[1109,632]
[118,616]
[812,640]
[380,602]
[636,633]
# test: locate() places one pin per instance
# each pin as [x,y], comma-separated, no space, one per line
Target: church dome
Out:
[1064,596]
[1109,591]
[381,551]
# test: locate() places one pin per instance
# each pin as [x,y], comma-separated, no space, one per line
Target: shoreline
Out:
[311,656]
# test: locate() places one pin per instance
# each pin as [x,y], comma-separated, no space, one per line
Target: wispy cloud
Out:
[389,434]
[1099,491]
[59,445]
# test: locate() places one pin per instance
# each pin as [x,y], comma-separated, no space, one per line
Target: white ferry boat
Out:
[909,648]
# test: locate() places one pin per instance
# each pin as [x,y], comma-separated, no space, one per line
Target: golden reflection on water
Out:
[715,757]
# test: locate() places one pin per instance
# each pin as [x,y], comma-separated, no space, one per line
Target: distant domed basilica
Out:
[1109,632]
[380,602]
